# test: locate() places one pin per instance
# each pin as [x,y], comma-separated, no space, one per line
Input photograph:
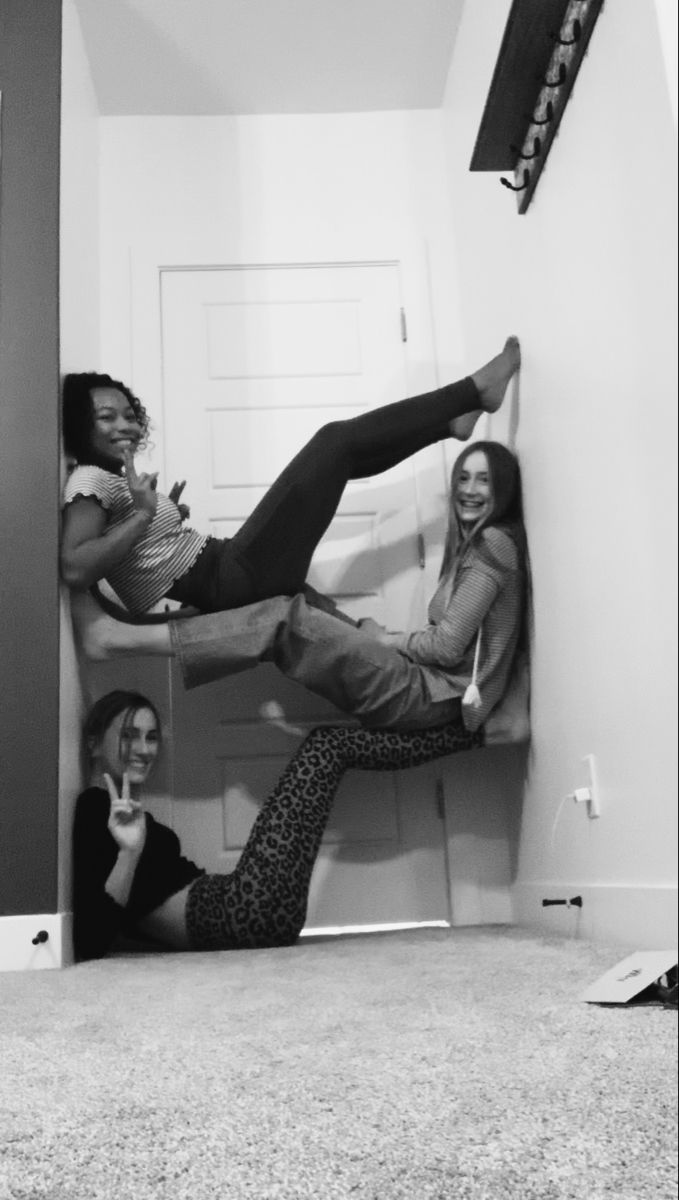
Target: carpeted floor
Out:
[427,1065]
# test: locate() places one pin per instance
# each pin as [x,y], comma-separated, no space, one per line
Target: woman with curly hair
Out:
[458,668]
[117,526]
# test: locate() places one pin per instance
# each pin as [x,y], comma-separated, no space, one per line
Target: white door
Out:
[254,361]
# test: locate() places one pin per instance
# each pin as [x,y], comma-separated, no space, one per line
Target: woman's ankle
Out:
[492,379]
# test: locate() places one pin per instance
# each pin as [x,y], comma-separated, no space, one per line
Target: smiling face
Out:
[115,427]
[473,498]
[131,743]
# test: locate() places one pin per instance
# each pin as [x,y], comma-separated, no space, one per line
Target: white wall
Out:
[79,216]
[290,189]
[588,279]
[666,12]
[266,186]
[79,350]
[279,189]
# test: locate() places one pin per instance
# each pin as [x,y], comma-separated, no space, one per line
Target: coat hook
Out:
[549,110]
[554,83]
[517,187]
[576,31]
[537,147]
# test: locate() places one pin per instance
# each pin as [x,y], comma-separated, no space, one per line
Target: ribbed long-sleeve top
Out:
[487,592]
[161,872]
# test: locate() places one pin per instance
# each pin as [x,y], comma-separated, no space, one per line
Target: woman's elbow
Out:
[74,574]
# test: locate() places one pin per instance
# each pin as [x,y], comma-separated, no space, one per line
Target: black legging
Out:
[271,553]
[263,902]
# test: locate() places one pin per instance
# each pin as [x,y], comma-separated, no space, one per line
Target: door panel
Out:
[294,339]
[254,361]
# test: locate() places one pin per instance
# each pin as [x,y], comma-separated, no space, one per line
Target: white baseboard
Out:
[324,931]
[640,917]
[18,952]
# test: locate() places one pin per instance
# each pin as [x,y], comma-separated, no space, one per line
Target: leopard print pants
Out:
[263,902]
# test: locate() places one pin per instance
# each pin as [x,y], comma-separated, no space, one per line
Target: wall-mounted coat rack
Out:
[542,48]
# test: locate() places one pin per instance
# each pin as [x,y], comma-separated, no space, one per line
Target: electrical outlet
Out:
[594,805]
[589,794]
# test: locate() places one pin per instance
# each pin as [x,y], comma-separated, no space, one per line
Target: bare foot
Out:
[462,428]
[492,379]
[94,629]
[100,637]
[273,713]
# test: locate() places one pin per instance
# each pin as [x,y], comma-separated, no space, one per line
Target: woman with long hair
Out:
[118,527]
[456,669]
[130,877]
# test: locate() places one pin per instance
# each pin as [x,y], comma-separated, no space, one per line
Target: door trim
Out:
[146,264]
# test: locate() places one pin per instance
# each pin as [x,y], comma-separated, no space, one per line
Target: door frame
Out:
[143,352]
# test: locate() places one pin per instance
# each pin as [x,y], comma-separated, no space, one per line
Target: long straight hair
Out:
[505,512]
[104,712]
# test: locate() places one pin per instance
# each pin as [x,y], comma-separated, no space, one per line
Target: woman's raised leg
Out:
[276,543]
[364,678]
[263,902]
[334,660]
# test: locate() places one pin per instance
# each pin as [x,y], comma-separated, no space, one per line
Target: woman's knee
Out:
[331,438]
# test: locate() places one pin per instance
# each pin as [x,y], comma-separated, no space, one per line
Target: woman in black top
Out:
[130,876]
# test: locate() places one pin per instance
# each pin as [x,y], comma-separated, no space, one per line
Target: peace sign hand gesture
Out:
[127,819]
[174,494]
[142,487]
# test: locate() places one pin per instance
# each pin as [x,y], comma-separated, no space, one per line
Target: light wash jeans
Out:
[335,660]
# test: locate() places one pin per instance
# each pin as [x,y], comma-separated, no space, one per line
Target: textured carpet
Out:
[423,1065]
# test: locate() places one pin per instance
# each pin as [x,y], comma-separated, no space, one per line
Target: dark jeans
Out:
[271,553]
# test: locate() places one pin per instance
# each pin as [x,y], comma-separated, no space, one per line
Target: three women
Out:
[458,667]
[432,690]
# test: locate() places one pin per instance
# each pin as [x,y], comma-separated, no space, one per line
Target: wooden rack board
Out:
[542,48]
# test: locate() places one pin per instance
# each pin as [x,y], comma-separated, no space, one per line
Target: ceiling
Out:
[233,57]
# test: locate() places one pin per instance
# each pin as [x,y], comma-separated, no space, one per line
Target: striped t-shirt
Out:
[487,592]
[163,553]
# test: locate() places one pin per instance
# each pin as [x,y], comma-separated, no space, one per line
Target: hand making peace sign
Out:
[142,487]
[127,819]
[174,494]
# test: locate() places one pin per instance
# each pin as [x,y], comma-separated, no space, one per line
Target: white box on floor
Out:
[630,976]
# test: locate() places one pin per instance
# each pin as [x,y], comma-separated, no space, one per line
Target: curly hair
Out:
[78,414]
